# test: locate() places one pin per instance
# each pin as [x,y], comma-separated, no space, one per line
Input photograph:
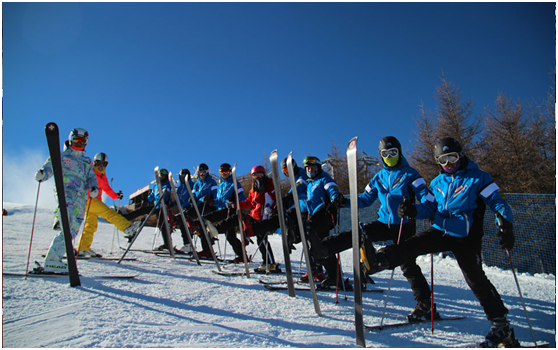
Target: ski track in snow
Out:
[176,303]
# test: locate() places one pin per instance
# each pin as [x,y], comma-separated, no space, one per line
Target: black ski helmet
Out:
[389,142]
[203,166]
[102,157]
[225,166]
[163,172]
[447,145]
[184,172]
[296,169]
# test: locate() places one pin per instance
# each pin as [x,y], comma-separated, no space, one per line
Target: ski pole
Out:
[392,273]
[115,228]
[432,291]
[500,221]
[32,230]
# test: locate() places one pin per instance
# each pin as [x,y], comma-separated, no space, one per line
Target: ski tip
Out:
[51,126]
[353,142]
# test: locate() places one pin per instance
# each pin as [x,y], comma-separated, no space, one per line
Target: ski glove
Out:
[407,208]
[93,192]
[229,205]
[268,211]
[341,201]
[120,195]
[40,175]
[505,232]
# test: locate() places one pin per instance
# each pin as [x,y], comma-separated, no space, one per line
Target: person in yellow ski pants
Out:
[95,208]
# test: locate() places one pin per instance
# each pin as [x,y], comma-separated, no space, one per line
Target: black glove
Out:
[407,208]
[229,205]
[505,232]
[287,199]
[341,201]
[120,195]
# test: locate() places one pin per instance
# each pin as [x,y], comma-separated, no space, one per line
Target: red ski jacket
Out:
[258,201]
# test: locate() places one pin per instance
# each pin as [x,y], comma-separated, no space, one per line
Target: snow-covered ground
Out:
[176,303]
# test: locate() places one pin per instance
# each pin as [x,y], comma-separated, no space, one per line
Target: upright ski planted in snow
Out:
[165,213]
[53,141]
[302,233]
[240,224]
[202,223]
[281,214]
[352,168]
[183,218]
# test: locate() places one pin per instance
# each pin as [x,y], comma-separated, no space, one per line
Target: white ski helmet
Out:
[101,157]
[78,132]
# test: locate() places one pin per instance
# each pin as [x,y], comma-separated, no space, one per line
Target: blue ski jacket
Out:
[457,197]
[321,190]
[182,193]
[390,186]
[301,183]
[203,188]
[225,193]
[154,195]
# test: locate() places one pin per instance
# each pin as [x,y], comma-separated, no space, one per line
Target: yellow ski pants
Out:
[98,208]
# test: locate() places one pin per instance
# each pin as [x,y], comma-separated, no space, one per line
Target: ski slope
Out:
[176,303]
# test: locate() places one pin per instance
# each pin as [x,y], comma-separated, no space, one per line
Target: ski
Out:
[281,213]
[292,181]
[229,273]
[407,323]
[53,141]
[202,223]
[479,345]
[240,224]
[97,258]
[183,218]
[136,235]
[58,274]
[353,187]
[319,288]
[166,230]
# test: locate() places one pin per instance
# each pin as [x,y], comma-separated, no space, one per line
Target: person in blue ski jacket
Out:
[393,184]
[323,201]
[301,182]
[462,191]
[226,197]
[183,196]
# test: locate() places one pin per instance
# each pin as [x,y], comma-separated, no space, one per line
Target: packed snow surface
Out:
[176,303]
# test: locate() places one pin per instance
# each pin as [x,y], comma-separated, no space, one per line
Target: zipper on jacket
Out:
[447,199]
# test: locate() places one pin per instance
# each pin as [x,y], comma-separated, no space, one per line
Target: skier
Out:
[323,202]
[96,207]
[390,185]
[226,195]
[301,181]
[461,192]
[261,220]
[205,192]
[184,197]
[79,178]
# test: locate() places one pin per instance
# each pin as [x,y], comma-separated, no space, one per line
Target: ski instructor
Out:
[79,179]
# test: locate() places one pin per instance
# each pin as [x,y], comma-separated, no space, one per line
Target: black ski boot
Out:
[422,312]
[500,334]
[371,261]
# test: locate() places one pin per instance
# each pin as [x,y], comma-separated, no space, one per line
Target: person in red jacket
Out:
[261,220]
[98,208]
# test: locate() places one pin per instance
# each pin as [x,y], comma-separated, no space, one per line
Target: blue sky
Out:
[177,84]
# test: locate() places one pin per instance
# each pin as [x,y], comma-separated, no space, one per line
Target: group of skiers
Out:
[455,201]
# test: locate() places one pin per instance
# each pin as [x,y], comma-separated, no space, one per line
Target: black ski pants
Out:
[321,222]
[204,209]
[377,231]
[260,229]
[467,252]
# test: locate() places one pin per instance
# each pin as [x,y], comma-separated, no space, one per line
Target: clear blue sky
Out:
[176,84]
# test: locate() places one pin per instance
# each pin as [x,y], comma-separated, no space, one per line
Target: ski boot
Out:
[318,276]
[211,229]
[89,254]
[500,334]
[131,231]
[422,312]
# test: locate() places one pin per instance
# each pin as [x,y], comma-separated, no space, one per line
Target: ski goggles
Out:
[224,171]
[444,159]
[257,175]
[389,153]
[311,160]
[101,163]
[202,172]
[79,139]
[163,172]
[285,171]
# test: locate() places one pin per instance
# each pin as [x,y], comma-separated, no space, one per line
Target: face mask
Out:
[392,161]
[259,184]
[452,170]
